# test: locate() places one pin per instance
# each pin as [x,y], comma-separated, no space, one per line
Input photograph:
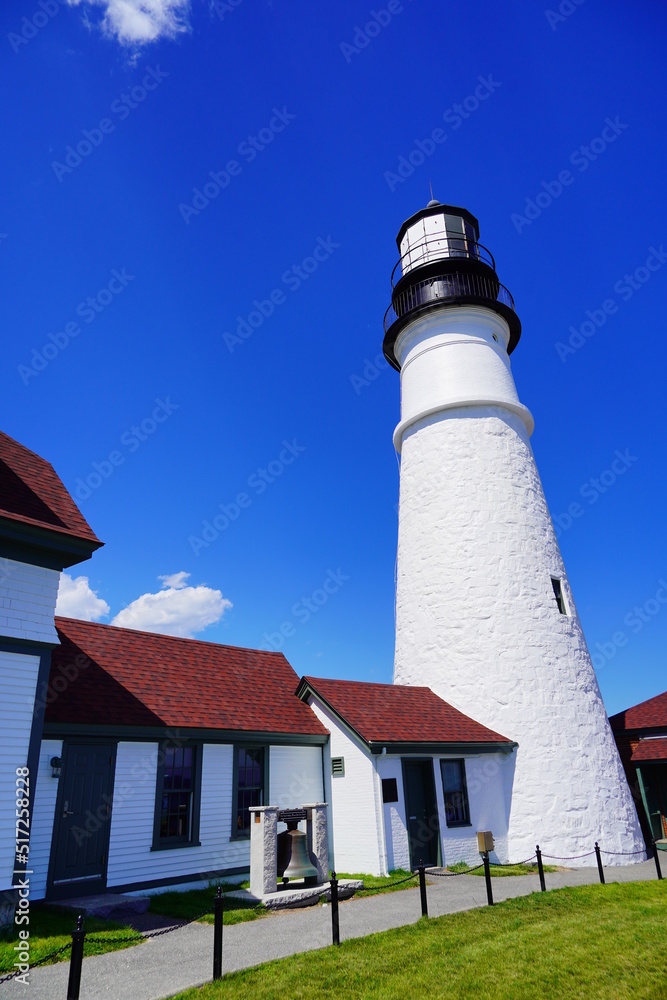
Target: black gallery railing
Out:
[440,246]
[432,291]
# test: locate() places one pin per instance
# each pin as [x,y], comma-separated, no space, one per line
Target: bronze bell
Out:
[293,860]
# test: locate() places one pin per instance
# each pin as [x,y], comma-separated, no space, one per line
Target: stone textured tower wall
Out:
[476,615]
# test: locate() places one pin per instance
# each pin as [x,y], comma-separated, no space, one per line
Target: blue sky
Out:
[195,354]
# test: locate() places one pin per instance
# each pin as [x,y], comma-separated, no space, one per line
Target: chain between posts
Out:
[383,888]
[454,874]
[572,857]
[149,934]
[623,853]
[39,961]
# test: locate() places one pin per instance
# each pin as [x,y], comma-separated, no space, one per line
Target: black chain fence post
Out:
[335,932]
[422,888]
[217,935]
[599,859]
[657,860]
[76,960]
[540,868]
[487,876]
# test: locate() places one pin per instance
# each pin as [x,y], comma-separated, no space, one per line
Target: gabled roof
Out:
[652,749]
[123,677]
[36,509]
[650,714]
[398,714]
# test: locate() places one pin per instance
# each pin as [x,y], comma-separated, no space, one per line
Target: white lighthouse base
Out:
[477,621]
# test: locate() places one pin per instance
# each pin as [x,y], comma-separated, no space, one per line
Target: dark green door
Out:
[83,817]
[653,782]
[422,812]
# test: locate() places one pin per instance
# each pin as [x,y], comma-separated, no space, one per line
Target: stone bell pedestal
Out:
[263,850]
[318,838]
[264,843]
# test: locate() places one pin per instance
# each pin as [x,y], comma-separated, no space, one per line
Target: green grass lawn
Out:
[50,929]
[591,943]
[500,871]
[186,905]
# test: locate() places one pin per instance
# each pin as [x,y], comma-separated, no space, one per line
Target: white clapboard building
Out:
[146,752]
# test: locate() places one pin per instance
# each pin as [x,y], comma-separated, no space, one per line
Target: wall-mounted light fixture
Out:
[56,765]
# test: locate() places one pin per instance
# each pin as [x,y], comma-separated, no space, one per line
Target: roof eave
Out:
[46,547]
[175,732]
[449,747]
[305,689]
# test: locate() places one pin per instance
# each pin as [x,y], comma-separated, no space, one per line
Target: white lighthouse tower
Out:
[484,610]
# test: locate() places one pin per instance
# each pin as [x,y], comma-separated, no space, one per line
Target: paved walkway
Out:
[166,965]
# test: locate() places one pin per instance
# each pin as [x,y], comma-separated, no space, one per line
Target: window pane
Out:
[249,782]
[451,775]
[455,795]
[454,224]
[176,803]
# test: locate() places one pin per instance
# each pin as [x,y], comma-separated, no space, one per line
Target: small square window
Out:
[559,595]
[389,790]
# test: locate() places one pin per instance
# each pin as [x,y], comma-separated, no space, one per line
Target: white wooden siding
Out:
[43,815]
[353,810]
[130,856]
[18,683]
[28,597]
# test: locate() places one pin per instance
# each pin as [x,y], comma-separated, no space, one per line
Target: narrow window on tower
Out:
[559,595]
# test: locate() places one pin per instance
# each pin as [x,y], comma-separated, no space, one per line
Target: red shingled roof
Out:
[129,678]
[32,493]
[395,713]
[655,749]
[650,714]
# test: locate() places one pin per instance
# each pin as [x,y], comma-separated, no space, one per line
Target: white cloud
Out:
[136,22]
[177,609]
[76,599]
